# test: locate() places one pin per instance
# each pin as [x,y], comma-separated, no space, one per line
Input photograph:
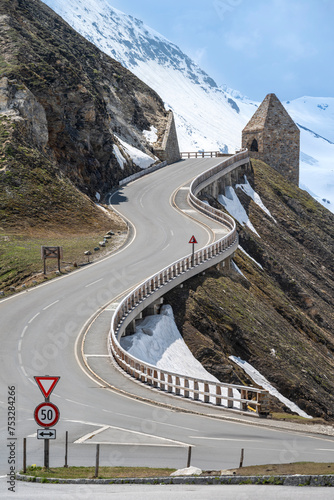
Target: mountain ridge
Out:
[208,117]
[67,103]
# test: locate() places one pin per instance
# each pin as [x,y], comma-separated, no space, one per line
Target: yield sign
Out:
[193,240]
[46,384]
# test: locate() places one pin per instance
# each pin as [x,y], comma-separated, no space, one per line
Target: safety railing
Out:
[203,154]
[235,397]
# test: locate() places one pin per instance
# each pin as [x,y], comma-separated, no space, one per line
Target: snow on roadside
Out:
[142,160]
[151,135]
[157,341]
[102,208]
[120,158]
[263,382]
[247,188]
[234,207]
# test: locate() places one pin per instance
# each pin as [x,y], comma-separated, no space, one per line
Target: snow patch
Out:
[251,258]
[263,382]
[234,207]
[157,341]
[142,160]
[97,196]
[102,208]
[247,188]
[120,158]
[151,135]
[236,268]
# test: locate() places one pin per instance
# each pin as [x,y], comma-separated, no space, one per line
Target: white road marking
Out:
[172,232]
[91,434]
[50,305]
[77,403]
[20,359]
[20,344]
[169,442]
[32,435]
[324,449]
[32,319]
[24,331]
[94,283]
[165,247]
[24,372]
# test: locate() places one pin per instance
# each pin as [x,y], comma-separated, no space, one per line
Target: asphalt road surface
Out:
[38,331]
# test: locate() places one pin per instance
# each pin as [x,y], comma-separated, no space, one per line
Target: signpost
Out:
[46,414]
[46,434]
[193,241]
[51,253]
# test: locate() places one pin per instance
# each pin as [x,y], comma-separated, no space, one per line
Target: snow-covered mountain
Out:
[208,117]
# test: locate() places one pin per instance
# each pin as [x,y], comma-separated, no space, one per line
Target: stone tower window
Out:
[254,146]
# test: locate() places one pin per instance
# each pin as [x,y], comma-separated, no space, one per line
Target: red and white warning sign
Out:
[193,239]
[46,384]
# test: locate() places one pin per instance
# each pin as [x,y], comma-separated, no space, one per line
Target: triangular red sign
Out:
[46,384]
[193,240]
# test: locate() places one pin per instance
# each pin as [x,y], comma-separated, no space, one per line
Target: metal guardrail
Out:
[235,396]
[203,154]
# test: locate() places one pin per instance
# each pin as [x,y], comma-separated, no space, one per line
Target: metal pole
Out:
[24,455]
[193,256]
[59,259]
[241,458]
[189,456]
[46,453]
[97,460]
[66,448]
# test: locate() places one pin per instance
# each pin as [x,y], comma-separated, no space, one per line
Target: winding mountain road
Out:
[39,329]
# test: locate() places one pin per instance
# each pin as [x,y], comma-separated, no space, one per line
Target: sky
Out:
[254,46]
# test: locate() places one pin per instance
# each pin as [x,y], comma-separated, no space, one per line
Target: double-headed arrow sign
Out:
[46,434]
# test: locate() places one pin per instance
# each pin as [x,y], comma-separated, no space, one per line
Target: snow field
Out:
[158,342]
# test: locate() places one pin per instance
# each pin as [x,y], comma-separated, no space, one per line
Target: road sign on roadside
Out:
[46,384]
[46,433]
[46,414]
[193,239]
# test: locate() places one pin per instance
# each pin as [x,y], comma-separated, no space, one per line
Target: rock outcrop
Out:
[279,314]
[71,104]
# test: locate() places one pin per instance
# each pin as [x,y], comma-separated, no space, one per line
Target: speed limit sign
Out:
[46,414]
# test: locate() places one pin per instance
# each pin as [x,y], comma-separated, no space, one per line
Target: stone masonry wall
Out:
[169,150]
[278,138]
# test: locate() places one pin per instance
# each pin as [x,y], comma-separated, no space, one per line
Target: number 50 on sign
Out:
[46,414]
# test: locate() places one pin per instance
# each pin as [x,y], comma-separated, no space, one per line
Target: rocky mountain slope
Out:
[279,313]
[67,114]
[208,116]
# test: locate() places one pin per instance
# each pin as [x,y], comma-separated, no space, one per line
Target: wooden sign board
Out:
[52,252]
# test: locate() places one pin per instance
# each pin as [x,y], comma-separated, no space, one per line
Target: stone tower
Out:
[272,136]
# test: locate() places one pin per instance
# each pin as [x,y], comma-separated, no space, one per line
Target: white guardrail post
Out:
[220,394]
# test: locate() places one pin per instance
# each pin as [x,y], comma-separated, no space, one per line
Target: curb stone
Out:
[286,480]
